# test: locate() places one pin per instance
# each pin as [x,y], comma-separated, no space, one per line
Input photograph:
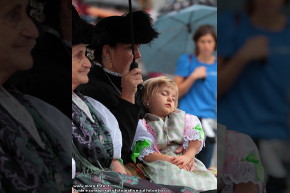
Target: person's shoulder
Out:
[45,108]
[184,56]
[95,102]
[190,117]
[184,114]
[40,104]
[98,105]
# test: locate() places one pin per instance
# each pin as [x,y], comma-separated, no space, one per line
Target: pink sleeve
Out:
[193,131]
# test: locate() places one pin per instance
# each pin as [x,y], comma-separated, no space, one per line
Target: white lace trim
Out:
[245,173]
[192,134]
[145,152]
[108,71]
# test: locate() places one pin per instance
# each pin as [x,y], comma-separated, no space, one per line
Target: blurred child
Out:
[239,164]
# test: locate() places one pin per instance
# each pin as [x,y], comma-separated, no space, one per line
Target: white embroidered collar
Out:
[108,71]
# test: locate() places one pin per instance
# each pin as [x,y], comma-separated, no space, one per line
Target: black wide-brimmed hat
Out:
[82,32]
[116,29]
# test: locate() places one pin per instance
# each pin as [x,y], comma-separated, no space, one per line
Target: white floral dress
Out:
[166,136]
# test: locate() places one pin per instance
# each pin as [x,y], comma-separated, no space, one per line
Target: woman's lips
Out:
[26,46]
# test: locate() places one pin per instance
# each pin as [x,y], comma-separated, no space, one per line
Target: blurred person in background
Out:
[239,165]
[196,78]
[35,138]
[254,81]
[51,72]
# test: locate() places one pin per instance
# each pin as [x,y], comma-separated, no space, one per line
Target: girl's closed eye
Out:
[164,93]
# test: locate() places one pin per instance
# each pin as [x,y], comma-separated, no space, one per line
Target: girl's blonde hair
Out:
[153,84]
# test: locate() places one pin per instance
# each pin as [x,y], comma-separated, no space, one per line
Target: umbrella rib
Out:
[172,38]
[177,20]
[205,16]
[191,16]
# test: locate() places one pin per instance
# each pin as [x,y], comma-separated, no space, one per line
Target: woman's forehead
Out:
[6,4]
[78,48]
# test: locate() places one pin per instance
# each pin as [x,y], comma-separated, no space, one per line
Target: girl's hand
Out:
[191,166]
[181,161]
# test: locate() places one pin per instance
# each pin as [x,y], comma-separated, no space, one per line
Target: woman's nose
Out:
[29,28]
[87,63]
[137,54]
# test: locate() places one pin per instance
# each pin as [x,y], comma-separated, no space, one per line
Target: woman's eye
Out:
[79,56]
[14,15]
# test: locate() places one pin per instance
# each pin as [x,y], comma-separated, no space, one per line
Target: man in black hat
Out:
[111,80]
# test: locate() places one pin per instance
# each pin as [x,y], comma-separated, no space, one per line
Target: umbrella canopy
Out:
[176,30]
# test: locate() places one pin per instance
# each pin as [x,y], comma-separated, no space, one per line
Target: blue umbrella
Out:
[176,30]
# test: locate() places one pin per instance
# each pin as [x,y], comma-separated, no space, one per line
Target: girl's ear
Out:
[146,102]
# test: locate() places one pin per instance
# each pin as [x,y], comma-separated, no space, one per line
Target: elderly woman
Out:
[34,136]
[96,135]
[94,127]
[111,80]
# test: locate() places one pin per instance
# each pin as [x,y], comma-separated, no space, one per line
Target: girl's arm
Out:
[193,148]
[183,161]
[157,156]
